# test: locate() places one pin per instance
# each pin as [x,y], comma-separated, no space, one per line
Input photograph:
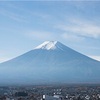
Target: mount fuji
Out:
[51,62]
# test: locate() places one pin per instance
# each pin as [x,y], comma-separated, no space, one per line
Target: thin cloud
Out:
[41,35]
[81,28]
[29,12]
[6,11]
[13,15]
[72,37]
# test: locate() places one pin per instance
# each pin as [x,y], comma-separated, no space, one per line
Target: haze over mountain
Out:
[50,62]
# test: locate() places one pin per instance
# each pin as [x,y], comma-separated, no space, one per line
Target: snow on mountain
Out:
[50,62]
[48,45]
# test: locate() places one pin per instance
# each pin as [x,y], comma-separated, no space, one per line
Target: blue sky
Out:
[24,25]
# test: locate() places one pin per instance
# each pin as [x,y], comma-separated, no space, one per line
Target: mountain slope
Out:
[50,62]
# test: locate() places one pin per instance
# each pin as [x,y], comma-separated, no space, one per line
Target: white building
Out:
[46,97]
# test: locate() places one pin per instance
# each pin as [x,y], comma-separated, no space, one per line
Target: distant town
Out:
[50,92]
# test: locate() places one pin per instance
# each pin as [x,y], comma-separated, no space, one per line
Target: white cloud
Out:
[41,35]
[82,28]
[71,37]
[42,15]
[13,15]
[95,57]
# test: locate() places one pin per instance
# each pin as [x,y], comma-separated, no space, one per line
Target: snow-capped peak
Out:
[48,45]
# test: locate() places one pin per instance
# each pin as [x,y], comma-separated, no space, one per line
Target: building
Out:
[46,97]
